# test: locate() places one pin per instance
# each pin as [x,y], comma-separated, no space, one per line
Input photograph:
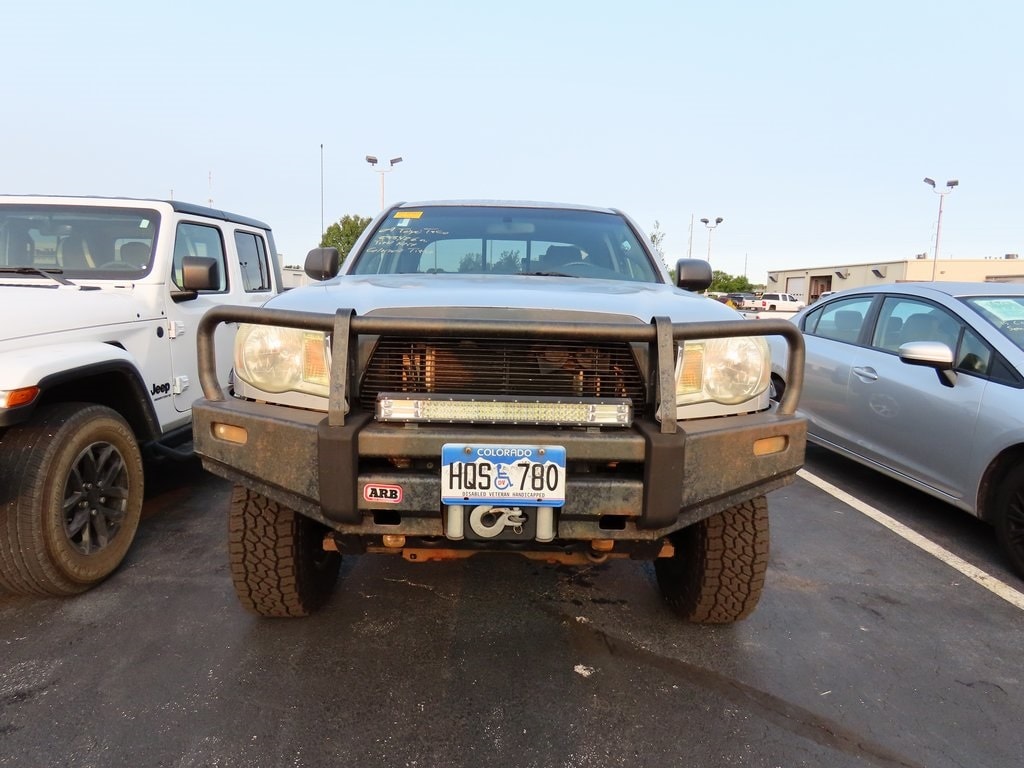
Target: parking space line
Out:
[989,582]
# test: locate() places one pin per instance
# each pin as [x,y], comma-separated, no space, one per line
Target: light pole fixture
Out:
[711,228]
[938,222]
[382,170]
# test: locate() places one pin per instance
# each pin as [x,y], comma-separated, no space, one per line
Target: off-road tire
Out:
[717,572]
[278,564]
[1009,518]
[71,492]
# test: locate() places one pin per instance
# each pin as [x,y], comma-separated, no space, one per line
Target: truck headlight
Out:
[727,371]
[275,359]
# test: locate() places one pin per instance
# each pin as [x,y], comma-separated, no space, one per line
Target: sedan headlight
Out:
[275,359]
[727,371]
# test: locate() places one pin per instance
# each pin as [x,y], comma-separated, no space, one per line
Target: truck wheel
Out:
[1009,518]
[717,572]
[71,490]
[278,564]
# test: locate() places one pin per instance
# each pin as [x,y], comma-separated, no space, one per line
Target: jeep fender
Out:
[57,369]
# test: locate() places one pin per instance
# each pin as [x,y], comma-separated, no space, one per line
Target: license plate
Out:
[525,475]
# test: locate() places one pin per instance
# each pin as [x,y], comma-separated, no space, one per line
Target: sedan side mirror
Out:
[930,354]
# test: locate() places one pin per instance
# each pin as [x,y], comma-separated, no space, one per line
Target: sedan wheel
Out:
[1009,518]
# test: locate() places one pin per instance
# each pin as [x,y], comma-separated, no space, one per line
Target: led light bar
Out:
[469,409]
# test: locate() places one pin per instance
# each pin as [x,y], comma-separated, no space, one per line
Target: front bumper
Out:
[636,484]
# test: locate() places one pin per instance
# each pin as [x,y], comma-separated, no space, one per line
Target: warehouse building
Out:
[808,284]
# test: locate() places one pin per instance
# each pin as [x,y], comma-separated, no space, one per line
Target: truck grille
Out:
[510,367]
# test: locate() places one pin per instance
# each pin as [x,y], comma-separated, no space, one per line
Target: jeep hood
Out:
[27,311]
[431,295]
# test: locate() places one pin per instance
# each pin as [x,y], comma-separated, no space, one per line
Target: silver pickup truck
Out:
[499,377]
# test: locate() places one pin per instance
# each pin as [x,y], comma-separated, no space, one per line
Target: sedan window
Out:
[975,355]
[840,320]
[903,320]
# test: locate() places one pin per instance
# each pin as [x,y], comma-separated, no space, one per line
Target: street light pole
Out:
[938,222]
[382,170]
[711,228]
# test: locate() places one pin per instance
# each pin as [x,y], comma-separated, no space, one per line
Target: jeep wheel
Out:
[717,572]
[73,488]
[1009,518]
[278,564]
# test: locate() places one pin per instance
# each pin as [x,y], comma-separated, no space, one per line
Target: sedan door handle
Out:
[865,373]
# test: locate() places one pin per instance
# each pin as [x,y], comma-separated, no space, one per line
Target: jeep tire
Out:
[717,572]
[72,492]
[278,564]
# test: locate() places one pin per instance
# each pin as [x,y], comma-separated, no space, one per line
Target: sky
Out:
[808,126]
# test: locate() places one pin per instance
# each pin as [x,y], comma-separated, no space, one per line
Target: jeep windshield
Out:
[507,240]
[76,241]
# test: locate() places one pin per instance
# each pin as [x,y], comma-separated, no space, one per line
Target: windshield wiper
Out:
[547,274]
[53,274]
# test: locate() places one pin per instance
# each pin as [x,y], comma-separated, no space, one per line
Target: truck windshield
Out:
[77,241]
[506,240]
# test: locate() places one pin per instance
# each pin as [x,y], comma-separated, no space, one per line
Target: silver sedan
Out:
[924,382]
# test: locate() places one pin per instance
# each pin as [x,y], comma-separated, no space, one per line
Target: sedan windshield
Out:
[506,240]
[1006,313]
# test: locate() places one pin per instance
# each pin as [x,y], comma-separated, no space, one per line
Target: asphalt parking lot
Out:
[866,650]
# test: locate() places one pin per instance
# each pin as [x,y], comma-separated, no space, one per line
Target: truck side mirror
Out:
[323,263]
[693,274]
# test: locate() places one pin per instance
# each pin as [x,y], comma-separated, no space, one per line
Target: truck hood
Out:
[431,295]
[27,311]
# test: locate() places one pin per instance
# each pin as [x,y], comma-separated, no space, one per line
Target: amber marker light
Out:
[769,445]
[12,398]
[230,433]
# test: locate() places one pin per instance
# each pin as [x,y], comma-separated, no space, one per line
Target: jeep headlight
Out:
[275,359]
[727,371]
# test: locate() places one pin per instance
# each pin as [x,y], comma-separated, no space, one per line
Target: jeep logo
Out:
[389,494]
[161,389]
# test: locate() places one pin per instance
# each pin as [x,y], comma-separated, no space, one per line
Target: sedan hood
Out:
[430,295]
